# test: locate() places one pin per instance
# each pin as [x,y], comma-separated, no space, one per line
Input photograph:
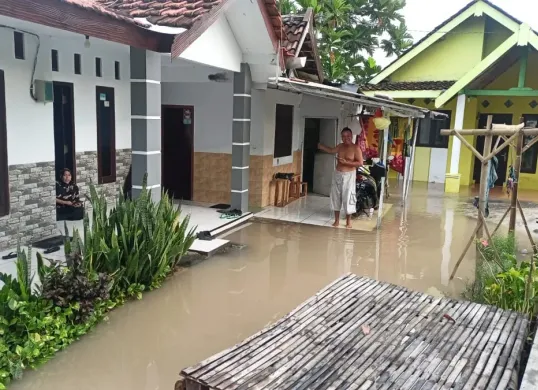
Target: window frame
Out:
[117,70]
[19,37]
[283,135]
[55,60]
[113,163]
[77,64]
[427,123]
[4,167]
[533,149]
[98,67]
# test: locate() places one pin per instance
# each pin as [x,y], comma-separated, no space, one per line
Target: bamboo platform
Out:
[359,334]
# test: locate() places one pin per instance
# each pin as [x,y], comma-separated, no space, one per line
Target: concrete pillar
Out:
[452,181]
[241,138]
[146,121]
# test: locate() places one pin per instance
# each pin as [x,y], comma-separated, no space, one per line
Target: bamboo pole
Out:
[484,174]
[503,145]
[514,194]
[527,131]
[413,152]
[469,146]
[534,248]
[502,220]
[467,246]
[530,144]
[384,178]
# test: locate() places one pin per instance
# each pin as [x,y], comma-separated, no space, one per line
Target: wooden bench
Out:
[286,191]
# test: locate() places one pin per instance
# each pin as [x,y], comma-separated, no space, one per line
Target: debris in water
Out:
[524,252]
[365,329]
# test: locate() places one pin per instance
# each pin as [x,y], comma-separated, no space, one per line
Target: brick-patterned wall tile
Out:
[32,204]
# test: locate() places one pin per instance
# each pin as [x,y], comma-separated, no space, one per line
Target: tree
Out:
[349,32]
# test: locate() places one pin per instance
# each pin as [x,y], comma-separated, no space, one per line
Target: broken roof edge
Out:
[321,90]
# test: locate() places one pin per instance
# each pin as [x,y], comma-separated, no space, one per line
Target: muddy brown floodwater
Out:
[223,300]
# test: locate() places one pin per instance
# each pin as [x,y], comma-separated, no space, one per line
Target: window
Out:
[4,171]
[54,60]
[106,135]
[78,66]
[117,70]
[283,130]
[429,133]
[98,67]
[18,40]
[528,160]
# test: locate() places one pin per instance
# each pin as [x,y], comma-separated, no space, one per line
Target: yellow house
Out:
[477,63]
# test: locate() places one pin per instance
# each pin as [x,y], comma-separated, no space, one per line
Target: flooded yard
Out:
[221,301]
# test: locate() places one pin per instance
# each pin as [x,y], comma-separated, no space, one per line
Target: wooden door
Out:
[178,151]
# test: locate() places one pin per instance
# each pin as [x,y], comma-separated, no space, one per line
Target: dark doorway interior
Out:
[106,134]
[178,150]
[502,156]
[64,128]
[311,140]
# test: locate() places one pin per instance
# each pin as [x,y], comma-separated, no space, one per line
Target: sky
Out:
[423,16]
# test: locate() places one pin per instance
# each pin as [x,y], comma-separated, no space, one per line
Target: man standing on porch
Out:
[343,187]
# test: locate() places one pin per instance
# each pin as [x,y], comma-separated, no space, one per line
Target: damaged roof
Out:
[408,86]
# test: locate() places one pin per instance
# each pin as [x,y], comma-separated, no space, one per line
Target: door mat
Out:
[220,206]
[50,242]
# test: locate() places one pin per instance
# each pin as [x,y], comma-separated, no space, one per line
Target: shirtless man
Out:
[349,158]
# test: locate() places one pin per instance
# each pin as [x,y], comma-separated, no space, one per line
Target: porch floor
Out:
[201,216]
[315,210]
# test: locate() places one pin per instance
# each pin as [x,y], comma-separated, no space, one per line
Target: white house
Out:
[185,91]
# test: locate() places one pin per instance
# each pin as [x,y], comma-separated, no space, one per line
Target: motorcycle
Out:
[366,189]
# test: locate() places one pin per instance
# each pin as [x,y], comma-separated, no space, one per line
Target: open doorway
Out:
[502,157]
[177,151]
[64,128]
[318,167]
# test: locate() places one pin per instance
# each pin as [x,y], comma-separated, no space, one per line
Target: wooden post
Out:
[384,178]
[517,170]
[484,175]
[412,162]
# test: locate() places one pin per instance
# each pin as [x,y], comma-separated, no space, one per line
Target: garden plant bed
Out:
[361,333]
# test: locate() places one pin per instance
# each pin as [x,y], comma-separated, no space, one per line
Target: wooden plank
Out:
[319,341]
[361,365]
[477,154]
[412,342]
[325,293]
[248,368]
[484,173]
[345,297]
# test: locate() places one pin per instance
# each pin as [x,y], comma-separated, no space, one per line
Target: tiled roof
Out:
[295,27]
[99,7]
[408,86]
[171,13]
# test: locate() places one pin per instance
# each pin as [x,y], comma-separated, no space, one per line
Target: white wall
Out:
[30,125]
[213,112]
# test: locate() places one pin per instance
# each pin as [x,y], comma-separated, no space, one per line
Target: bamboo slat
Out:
[359,334]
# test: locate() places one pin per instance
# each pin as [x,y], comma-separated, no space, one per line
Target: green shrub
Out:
[504,282]
[126,251]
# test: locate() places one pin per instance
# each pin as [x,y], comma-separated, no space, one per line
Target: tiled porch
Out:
[315,210]
[201,216]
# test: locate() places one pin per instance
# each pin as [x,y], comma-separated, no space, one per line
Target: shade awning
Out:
[328,92]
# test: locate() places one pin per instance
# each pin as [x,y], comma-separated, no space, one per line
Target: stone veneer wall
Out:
[262,171]
[212,177]
[87,173]
[32,205]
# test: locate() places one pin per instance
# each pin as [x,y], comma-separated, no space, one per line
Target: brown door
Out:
[502,157]
[177,150]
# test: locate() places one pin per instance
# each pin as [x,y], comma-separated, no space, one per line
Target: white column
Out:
[456,143]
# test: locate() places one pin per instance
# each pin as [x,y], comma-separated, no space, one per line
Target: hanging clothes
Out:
[511,180]
[491,179]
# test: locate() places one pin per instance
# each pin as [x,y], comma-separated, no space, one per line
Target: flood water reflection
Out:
[213,305]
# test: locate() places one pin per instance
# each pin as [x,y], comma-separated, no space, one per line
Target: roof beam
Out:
[68,17]
[423,94]
[477,70]
[484,8]
[471,11]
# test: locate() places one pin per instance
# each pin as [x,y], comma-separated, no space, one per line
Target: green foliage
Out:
[126,251]
[504,283]
[350,31]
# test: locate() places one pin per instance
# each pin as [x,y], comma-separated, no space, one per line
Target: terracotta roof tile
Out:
[294,26]
[97,6]
[408,86]
[171,13]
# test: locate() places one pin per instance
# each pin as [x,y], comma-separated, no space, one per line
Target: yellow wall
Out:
[421,169]
[449,58]
[495,35]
